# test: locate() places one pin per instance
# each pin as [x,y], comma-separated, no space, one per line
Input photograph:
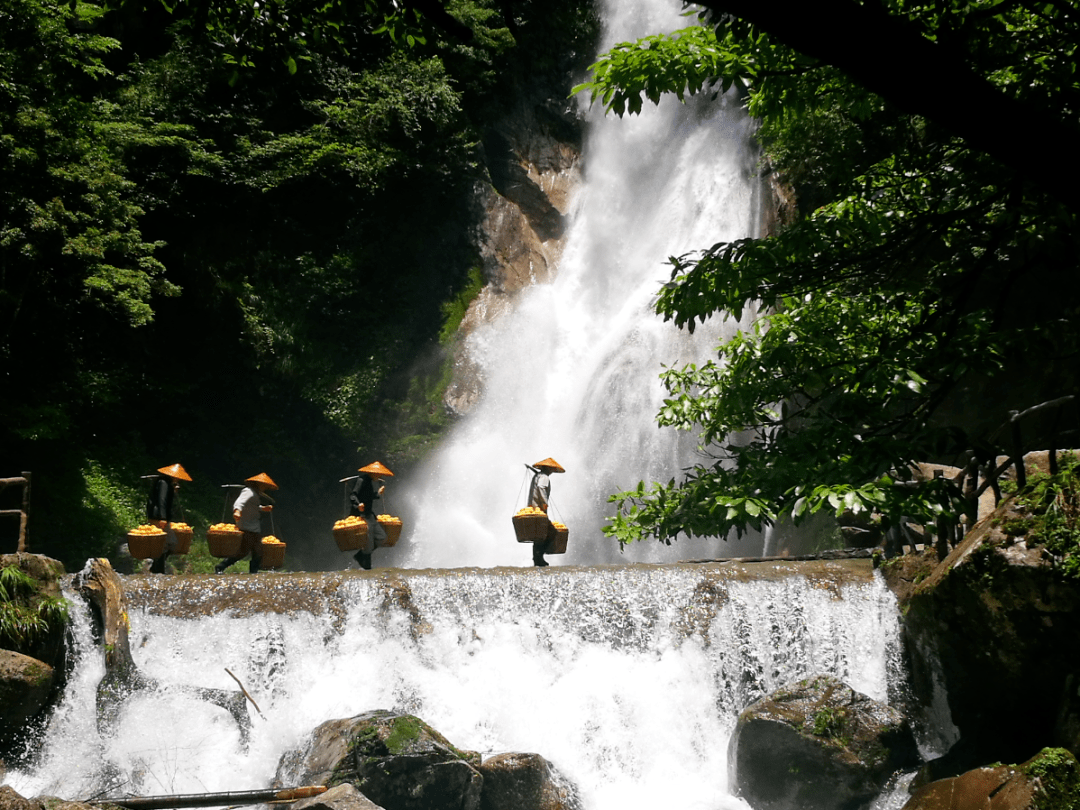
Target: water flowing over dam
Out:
[628,678]
[573,371]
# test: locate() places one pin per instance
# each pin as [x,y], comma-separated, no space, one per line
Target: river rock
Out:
[339,797]
[525,782]
[396,760]
[11,800]
[817,745]
[25,685]
[997,628]
[1048,781]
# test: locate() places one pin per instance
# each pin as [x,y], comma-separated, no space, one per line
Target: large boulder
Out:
[817,745]
[1048,781]
[396,760]
[25,686]
[997,627]
[525,782]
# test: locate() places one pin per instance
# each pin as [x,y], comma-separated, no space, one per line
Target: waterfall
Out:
[628,678]
[573,371]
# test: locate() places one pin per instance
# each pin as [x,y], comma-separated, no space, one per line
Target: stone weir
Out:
[330,592]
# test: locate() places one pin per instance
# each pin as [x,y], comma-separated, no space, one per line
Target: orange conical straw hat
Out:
[550,464]
[175,471]
[262,478]
[376,468]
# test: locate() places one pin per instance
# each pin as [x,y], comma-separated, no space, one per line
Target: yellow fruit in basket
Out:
[181,527]
[271,540]
[561,527]
[224,527]
[351,520]
[389,519]
[146,530]
[530,510]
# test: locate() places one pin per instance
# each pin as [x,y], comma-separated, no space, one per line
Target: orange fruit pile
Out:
[271,540]
[146,530]
[559,527]
[390,519]
[181,527]
[223,527]
[351,520]
[531,510]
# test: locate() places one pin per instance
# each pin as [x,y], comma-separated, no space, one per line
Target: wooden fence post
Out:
[24,512]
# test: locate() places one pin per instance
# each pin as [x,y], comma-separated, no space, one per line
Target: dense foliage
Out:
[924,260]
[238,244]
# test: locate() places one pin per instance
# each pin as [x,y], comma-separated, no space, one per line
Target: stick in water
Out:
[245,691]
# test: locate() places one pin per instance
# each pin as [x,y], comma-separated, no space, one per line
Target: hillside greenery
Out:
[246,258]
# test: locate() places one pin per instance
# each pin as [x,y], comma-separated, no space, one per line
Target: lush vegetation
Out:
[27,615]
[1047,513]
[921,290]
[238,244]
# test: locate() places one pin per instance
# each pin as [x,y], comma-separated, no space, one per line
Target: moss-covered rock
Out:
[396,760]
[997,626]
[817,745]
[1048,781]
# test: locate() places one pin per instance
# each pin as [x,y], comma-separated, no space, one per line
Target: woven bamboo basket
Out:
[350,538]
[558,543]
[146,546]
[392,527]
[184,535]
[273,554]
[224,542]
[530,528]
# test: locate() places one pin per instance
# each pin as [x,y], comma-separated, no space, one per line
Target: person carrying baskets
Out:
[539,495]
[368,489]
[159,508]
[247,513]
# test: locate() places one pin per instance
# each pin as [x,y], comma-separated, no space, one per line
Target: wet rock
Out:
[998,629]
[10,800]
[25,685]
[817,745]
[340,797]
[525,782]
[1048,781]
[396,760]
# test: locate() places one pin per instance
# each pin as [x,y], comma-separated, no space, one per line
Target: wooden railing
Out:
[979,474]
[23,513]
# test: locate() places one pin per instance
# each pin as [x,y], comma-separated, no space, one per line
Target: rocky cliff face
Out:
[533,156]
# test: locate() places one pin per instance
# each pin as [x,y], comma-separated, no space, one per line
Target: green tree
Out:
[914,271]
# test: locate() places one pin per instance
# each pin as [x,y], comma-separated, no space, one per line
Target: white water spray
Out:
[573,371]
[629,679]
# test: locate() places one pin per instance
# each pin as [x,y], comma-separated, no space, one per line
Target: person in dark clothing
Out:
[159,508]
[539,495]
[368,489]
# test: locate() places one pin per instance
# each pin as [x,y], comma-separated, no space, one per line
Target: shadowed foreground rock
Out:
[25,685]
[341,797]
[817,745]
[998,626]
[1048,781]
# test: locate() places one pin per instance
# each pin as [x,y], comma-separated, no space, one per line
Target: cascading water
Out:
[573,371]
[628,678]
